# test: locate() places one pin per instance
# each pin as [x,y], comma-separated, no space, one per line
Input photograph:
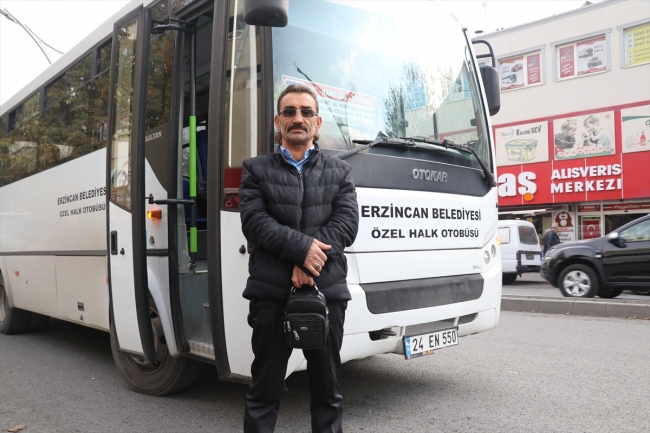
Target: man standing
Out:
[550,237]
[299,212]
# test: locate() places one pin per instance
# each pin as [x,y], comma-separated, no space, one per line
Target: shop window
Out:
[581,56]
[634,43]
[521,70]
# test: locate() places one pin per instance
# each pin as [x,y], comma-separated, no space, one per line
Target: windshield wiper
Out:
[447,144]
[369,143]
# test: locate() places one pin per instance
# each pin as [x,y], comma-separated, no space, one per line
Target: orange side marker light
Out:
[154,214]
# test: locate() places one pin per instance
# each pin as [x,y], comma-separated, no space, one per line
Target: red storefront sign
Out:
[589,208]
[626,206]
[607,176]
[567,64]
[533,68]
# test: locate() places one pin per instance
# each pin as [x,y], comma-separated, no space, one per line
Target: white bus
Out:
[120,167]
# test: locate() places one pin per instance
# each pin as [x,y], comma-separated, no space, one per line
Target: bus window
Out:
[77,75]
[120,182]
[104,57]
[55,91]
[243,95]
[31,107]
[3,126]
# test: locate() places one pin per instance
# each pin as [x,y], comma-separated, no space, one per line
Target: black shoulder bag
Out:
[306,321]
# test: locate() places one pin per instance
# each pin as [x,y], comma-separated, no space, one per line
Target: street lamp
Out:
[40,42]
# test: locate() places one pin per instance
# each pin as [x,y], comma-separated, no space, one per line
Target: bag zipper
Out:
[296,335]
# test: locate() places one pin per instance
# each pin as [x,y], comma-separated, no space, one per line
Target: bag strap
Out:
[293,289]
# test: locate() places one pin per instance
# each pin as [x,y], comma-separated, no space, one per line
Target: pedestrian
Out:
[551,237]
[299,212]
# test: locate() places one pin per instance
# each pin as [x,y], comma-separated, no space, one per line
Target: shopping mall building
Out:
[573,134]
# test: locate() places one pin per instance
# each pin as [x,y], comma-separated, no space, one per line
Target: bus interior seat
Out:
[201,190]
[202,162]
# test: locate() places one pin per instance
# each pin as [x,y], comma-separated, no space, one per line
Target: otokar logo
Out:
[510,185]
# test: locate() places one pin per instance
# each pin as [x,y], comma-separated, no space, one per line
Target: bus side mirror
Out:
[267,13]
[490,78]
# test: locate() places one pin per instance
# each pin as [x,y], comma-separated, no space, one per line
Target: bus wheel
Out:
[165,376]
[12,320]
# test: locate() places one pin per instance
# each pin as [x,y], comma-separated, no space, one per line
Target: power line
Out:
[40,42]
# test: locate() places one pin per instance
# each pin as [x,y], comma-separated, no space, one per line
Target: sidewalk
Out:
[532,293]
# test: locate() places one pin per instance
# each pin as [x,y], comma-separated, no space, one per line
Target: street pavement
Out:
[535,372]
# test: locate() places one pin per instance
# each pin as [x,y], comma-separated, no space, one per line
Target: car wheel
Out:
[507,279]
[578,281]
[12,320]
[642,291]
[609,293]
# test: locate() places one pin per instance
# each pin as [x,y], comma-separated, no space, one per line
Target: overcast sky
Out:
[62,24]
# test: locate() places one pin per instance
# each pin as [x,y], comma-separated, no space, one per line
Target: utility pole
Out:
[40,42]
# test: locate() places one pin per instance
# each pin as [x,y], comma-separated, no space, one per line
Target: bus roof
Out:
[96,36]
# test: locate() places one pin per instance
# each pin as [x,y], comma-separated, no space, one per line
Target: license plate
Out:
[530,256]
[424,344]
[531,259]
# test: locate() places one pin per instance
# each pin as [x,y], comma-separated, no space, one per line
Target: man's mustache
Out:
[297,126]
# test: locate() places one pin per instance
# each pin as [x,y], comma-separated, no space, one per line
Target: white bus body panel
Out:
[373,260]
[122,282]
[82,280]
[63,217]
[234,274]
[35,220]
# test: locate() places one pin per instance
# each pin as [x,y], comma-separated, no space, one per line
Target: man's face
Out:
[298,130]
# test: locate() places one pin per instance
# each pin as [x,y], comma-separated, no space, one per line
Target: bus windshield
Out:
[384,69]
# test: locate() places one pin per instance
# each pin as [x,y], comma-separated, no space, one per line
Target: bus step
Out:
[202,347]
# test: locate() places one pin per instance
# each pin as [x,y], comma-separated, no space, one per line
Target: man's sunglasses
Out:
[307,113]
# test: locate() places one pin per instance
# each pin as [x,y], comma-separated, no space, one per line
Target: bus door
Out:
[127,264]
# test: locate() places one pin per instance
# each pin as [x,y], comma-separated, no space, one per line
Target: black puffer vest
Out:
[283,210]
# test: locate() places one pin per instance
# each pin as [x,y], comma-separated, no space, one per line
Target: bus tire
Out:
[166,376]
[38,322]
[12,320]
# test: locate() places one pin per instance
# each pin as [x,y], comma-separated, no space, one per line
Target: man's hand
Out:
[299,278]
[316,258]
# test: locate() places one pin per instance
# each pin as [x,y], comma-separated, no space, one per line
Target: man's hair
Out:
[555,226]
[591,119]
[296,88]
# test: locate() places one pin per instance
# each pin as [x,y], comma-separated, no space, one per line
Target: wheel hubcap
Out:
[577,283]
[160,345]
[4,304]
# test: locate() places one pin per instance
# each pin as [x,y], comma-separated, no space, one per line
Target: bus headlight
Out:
[493,250]
[486,257]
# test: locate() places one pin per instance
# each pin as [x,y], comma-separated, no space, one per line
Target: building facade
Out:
[573,134]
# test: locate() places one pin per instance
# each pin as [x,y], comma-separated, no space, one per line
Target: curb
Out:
[629,308]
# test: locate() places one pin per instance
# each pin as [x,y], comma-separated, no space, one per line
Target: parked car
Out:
[520,250]
[602,266]
[594,62]
[512,78]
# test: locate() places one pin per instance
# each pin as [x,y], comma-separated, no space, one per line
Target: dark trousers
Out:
[270,367]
